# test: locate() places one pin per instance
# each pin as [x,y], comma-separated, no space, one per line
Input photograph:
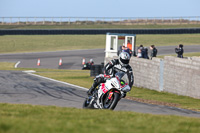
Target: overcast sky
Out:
[99,8]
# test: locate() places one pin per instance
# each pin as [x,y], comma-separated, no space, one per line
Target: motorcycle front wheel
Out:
[112,102]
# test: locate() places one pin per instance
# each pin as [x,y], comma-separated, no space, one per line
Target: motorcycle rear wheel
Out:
[111,104]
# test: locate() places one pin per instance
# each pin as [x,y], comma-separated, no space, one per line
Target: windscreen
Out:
[123,77]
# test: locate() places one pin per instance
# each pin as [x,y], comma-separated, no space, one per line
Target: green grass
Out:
[155,97]
[82,78]
[97,26]
[185,55]
[36,43]
[49,119]
[167,40]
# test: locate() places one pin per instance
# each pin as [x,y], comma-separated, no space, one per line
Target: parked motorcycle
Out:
[109,93]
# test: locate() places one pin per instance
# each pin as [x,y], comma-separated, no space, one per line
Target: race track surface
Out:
[22,88]
[73,59]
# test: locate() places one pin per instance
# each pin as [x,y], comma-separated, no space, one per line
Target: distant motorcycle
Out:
[88,65]
[109,93]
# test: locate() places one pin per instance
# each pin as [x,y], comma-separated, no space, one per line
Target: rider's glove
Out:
[106,77]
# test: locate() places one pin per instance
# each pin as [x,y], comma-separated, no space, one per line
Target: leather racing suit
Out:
[111,69]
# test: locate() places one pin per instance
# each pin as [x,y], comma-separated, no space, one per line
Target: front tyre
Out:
[112,102]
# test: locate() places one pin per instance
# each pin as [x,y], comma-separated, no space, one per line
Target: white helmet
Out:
[124,58]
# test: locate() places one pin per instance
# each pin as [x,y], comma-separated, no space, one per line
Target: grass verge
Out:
[38,43]
[17,118]
[82,78]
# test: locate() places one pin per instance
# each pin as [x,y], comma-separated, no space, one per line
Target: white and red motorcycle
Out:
[109,93]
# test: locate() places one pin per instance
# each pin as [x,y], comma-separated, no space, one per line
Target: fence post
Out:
[26,20]
[52,20]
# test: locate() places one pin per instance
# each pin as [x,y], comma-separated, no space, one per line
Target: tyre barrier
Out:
[96,70]
[99,31]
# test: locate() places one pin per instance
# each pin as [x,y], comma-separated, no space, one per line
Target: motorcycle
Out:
[108,94]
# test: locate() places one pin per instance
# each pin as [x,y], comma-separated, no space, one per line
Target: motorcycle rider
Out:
[111,68]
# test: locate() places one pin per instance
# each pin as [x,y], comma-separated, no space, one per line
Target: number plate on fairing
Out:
[103,88]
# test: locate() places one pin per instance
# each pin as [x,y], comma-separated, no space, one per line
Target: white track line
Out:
[17,64]
[56,81]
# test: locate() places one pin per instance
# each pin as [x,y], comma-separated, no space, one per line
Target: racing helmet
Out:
[124,58]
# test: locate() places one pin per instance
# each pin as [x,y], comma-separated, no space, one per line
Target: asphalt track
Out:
[73,59]
[22,88]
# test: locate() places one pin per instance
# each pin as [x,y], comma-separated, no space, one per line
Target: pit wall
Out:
[171,74]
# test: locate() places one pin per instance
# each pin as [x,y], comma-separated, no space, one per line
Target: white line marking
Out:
[17,64]
[57,81]
[29,71]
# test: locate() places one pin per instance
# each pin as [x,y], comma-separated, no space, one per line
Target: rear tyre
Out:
[111,103]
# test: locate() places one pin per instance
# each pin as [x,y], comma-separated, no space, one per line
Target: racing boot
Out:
[90,91]
[123,95]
